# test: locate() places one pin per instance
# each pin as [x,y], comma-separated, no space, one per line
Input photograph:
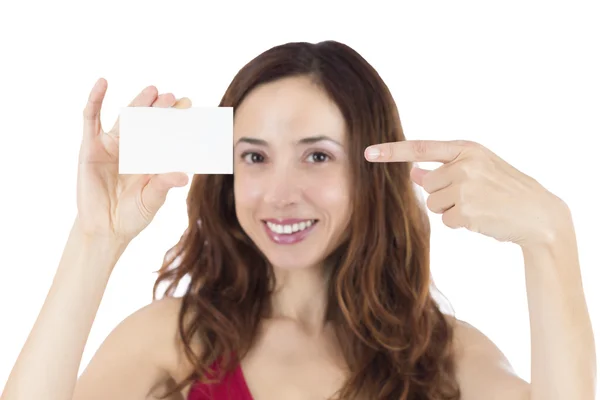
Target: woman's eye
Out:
[252,158]
[318,157]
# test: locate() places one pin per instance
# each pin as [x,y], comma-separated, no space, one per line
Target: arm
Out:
[49,361]
[132,361]
[563,363]
[563,359]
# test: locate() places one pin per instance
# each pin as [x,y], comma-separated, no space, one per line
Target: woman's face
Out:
[291,172]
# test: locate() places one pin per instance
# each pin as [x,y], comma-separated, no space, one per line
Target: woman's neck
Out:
[301,297]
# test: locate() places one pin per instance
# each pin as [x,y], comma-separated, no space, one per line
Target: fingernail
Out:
[373,153]
[183,101]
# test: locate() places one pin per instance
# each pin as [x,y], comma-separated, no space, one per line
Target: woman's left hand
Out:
[477,190]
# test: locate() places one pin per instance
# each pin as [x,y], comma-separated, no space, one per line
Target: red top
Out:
[232,387]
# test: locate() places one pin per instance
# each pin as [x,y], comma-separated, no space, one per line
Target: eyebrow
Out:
[306,140]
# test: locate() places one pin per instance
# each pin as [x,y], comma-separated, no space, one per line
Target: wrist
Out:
[558,228]
[100,249]
[100,238]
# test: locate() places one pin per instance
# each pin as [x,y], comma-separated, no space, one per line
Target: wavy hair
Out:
[396,341]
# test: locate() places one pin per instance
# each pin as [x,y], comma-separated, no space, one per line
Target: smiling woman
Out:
[309,245]
[308,276]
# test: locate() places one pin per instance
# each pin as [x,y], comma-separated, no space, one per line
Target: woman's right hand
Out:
[110,205]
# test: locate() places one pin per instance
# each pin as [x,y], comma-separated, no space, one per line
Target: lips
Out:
[289,230]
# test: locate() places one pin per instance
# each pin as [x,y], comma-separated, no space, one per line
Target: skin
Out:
[282,177]
[295,356]
[477,190]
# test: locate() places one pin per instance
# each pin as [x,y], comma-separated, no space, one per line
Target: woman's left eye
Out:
[318,157]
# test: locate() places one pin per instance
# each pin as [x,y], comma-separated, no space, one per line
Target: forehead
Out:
[289,108]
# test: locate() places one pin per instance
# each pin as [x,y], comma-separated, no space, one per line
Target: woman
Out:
[309,267]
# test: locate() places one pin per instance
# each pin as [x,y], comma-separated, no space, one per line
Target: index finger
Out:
[144,99]
[414,151]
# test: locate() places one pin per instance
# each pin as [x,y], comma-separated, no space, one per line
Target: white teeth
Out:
[291,228]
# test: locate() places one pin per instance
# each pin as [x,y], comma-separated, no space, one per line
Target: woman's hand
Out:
[477,190]
[110,205]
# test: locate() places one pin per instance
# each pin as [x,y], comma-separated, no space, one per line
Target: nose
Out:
[283,187]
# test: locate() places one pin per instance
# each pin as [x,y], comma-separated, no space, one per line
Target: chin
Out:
[289,261]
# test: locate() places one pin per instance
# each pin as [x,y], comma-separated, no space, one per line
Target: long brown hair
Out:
[396,341]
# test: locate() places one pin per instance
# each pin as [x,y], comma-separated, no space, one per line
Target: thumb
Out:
[154,194]
[417,174]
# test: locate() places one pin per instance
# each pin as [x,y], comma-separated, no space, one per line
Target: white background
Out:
[519,77]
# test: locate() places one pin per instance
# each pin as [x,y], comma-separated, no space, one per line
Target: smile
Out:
[289,231]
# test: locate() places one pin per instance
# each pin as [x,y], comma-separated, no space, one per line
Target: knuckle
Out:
[476,150]
[481,165]
[471,169]
[87,113]
[464,169]
[419,147]
[388,151]
[465,143]
[462,211]
[463,194]
[469,144]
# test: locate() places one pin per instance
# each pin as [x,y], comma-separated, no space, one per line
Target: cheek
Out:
[330,190]
[247,190]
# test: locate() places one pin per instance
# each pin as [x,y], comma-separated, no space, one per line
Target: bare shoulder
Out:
[468,339]
[141,358]
[165,312]
[162,317]
[483,371]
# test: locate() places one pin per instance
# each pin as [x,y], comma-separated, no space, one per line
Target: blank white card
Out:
[196,140]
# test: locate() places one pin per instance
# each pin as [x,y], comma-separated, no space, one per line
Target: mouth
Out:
[289,231]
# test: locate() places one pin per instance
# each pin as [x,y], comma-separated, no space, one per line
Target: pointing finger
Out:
[414,151]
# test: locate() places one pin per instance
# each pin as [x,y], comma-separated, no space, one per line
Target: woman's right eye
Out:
[252,157]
